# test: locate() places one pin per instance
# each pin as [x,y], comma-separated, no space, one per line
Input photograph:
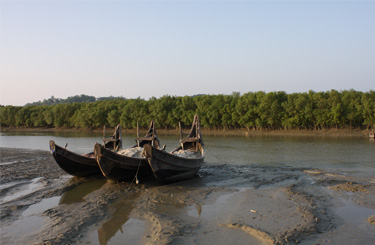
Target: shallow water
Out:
[346,154]
[31,220]
[77,194]
[209,211]
[120,227]
[22,189]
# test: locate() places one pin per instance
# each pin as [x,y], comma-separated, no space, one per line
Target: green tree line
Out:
[347,109]
[74,99]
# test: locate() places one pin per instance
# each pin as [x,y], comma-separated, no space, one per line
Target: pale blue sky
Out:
[153,48]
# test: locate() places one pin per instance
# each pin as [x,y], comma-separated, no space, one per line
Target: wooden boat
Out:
[121,167]
[171,167]
[83,165]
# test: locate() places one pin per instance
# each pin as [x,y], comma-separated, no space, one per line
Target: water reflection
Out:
[199,209]
[120,211]
[209,211]
[30,221]
[78,193]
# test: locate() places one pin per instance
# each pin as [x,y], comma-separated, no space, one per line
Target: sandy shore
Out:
[224,205]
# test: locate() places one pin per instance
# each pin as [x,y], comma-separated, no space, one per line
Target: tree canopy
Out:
[73,99]
[253,110]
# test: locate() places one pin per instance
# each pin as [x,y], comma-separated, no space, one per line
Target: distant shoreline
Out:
[216,132]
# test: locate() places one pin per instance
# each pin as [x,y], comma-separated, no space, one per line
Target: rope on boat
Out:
[136,175]
[225,162]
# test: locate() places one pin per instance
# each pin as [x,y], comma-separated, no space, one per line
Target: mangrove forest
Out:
[348,109]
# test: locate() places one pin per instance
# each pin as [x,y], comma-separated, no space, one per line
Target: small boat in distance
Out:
[182,163]
[83,165]
[129,163]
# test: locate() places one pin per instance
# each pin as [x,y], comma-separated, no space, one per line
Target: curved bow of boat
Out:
[98,158]
[52,146]
[98,152]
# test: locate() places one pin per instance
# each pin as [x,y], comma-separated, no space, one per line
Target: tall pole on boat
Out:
[196,131]
[137,133]
[153,133]
[179,127]
[104,136]
[120,138]
[196,125]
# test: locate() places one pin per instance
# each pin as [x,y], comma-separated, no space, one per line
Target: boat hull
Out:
[73,163]
[167,167]
[120,167]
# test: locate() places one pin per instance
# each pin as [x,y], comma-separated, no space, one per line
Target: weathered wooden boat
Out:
[118,166]
[182,163]
[83,165]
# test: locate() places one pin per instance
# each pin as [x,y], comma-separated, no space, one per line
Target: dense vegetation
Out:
[253,110]
[73,99]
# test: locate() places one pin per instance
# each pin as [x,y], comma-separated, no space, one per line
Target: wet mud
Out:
[224,204]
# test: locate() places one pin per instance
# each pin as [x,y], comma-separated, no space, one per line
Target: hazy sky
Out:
[154,48]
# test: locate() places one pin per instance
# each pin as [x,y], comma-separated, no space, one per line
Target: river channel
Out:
[350,154]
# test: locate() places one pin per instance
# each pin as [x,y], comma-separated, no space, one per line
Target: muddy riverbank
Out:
[358,133]
[225,204]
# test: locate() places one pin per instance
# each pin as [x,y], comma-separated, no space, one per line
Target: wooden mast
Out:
[137,133]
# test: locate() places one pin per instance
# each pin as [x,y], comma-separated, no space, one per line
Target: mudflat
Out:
[224,204]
